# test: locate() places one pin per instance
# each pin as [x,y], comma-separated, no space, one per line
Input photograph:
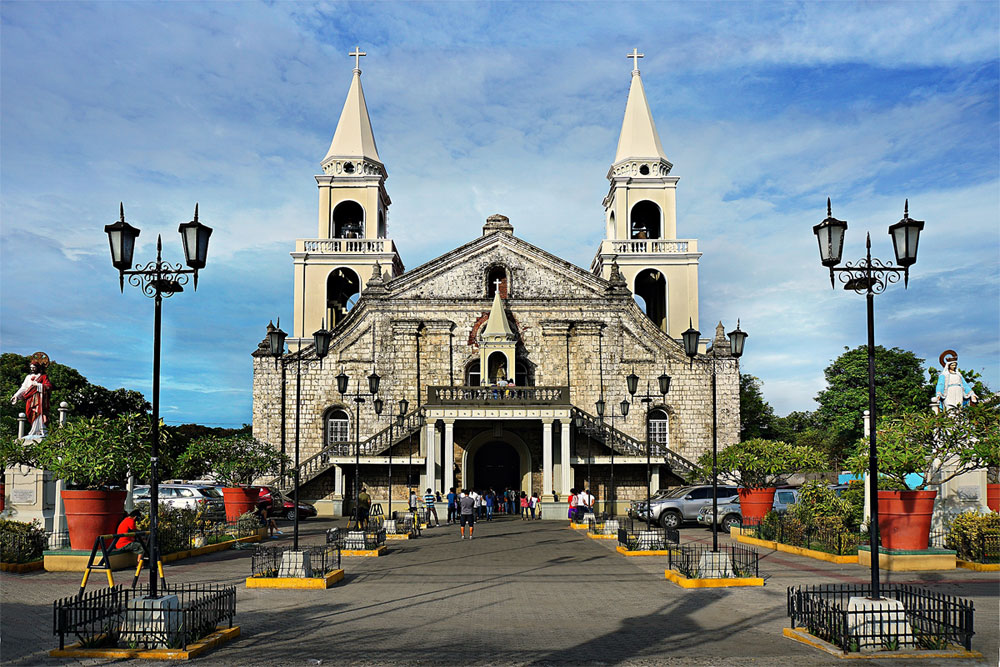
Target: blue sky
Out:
[765,109]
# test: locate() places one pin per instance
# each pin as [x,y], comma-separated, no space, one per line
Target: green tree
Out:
[759,463]
[805,430]
[756,414]
[900,388]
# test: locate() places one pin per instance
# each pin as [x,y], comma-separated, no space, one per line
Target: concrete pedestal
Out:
[714,565]
[355,540]
[390,526]
[649,540]
[147,618]
[610,527]
[876,623]
[295,564]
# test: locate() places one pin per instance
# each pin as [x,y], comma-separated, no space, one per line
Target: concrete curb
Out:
[217,638]
[300,583]
[802,636]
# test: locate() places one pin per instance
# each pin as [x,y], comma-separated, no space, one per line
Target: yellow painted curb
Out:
[602,537]
[372,553]
[78,562]
[397,536]
[208,548]
[297,582]
[19,568]
[625,552]
[802,636]
[978,567]
[579,526]
[920,562]
[797,551]
[220,636]
[731,582]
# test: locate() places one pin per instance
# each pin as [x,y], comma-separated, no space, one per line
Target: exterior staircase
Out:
[319,463]
[624,444]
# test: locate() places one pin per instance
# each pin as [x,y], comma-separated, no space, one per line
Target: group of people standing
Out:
[488,503]
[581,502]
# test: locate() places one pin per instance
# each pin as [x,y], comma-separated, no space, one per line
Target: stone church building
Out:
[442,334]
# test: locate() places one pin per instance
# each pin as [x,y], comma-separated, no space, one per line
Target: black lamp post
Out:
[342,384]
[404,405]
[632,383]
[156,279]
[276,344]
[737,339]
[870,276]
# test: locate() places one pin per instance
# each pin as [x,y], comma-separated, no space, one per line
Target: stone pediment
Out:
[461,273]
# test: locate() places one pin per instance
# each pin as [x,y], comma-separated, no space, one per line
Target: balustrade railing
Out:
[492,395]
[347,246]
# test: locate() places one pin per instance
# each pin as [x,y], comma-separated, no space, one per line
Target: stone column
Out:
[547,459]
[654,482]
[448,464]
[564,476]
[430,450]
[338,483]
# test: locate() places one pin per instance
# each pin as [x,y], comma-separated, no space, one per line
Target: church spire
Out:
[354,137]
[497,325]
[638,138]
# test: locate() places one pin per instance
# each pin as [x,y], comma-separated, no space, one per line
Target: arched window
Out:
[645,222]
[497,367]
[651,287]
[343,287]
[347,221]
[338,426]
[494,274]
[472,376]
[659,428]
[381,224]
[611,232]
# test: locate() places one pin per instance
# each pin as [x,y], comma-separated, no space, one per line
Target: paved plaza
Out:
[520,593]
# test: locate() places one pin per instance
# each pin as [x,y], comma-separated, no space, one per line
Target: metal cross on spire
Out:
[357,53]
[635,55]
[498,282]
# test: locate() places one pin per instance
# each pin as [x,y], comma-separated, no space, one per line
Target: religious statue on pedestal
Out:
[35,391]
[952,390]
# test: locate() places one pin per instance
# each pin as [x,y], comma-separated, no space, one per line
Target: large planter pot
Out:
[90,514]
[240,500]
[993,497]
[755,503]
[904,518]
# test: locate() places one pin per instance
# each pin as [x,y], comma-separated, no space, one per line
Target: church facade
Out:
[510,361]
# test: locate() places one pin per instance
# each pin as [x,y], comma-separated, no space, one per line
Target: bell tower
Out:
[352,238]
[641,221]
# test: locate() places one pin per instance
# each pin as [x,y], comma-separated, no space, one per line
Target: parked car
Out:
[189,496]
[283,506]
[676,506]
[730,511]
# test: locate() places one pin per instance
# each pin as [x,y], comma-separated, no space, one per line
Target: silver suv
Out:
[187,496]
[730,515]
[673,507]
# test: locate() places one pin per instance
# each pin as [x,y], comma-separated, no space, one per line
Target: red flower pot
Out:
[904,518]
[755,503]
[90,514]
[993,497]
[240,500]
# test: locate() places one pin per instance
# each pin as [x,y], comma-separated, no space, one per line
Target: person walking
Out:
[364,508]
[524,506]
[572,503]
[452,506]
[490,499]
[532,504]
[429,502]
[467,514]
[479,502]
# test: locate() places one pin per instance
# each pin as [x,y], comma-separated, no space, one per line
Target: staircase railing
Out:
[625,444]
[320,462]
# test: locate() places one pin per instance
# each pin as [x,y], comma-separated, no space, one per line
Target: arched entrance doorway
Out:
[487,441]
[497,466]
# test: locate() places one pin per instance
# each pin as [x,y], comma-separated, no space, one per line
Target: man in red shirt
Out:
[127,525]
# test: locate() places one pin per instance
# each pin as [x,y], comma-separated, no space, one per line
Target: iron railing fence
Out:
[494,395]
[843,615]
[22,547]
[173,537]
[119,616]
[635,537]
[266,560]
[780,528]
[982,548]
[604,527]
[698,561]
[57,539]
[355,540]
[402,523]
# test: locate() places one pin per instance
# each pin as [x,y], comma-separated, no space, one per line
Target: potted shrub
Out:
[235,462]
[938,447]
[758,466]
[95,458]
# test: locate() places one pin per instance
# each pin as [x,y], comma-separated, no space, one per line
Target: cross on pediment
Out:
[635,55]
[498,283]
[357,53]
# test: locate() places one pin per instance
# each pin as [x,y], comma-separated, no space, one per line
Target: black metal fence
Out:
[403,524]
[121,617]
[981,548]
[843,615]
[781,528]
[605,527]
[698,561]
[356,540]
[634,536]
[323,558]
[22,546]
